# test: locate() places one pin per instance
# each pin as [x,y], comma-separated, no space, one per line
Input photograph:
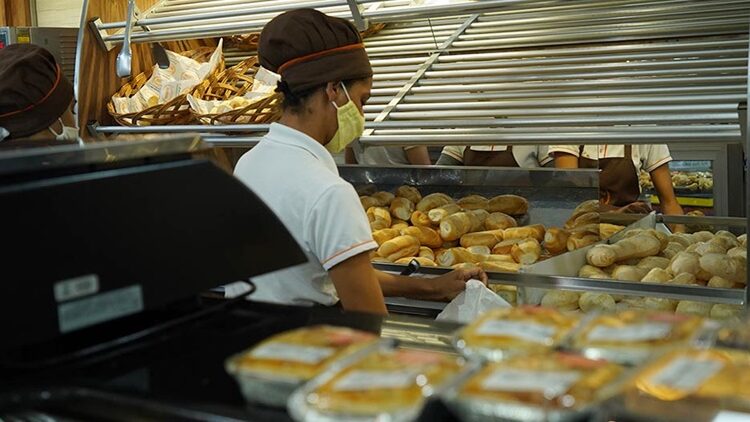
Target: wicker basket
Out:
[236,82]
[174,112]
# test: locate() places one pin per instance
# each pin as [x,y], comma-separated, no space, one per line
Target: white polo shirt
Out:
[379,155]
[527,156]
[645,157]
[298,179]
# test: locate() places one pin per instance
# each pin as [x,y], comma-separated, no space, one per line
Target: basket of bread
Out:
[159,96]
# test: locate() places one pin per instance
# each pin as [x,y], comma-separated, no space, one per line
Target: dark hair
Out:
[295,102]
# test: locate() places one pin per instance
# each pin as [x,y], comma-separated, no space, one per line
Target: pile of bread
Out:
[693,181]
[650,256]
[437,230]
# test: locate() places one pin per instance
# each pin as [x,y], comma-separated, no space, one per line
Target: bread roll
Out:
[585,207]
[507,293]
[685,262]
[650,262]
[402,208]
[526,252]
[474,202]
[399,224]
[535,231]
[455,256]
[366,190]
[499,267]
[600,302]
[683,239]
[672,249]
[499,221]
[728,237]
[583,220]
[427,236]
[723,312]
[608,230]
[732,269]
[384,198]
[384,235]
[399,247]
[738,252]
[556,240]
[479,250]
[504,247]
[743,240]
[379,213]
[719,282]
[702,236]
[589,271]
[509,204]
[688,307]
[368,202]
[424,262]
[488,238]
[639,246]
[658,304]
[561,299]
[683,279]
[581,239]
[628,273]
[702,248]
[433,200]
[587,229]
[409,192]
[437,215]
[426,252]
[418,218]
[657,275]
[481,215]
[456,225]
[496,258]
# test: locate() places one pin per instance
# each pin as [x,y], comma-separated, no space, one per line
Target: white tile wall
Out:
[59,13]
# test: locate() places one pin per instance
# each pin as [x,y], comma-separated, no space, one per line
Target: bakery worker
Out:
[381,155]
[36,99]
[326,79]
[525,156]
[619,187]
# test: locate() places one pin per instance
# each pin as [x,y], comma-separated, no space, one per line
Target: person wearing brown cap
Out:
[326,78]
[36,99]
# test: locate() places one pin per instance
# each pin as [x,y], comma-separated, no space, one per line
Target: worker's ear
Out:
[333,90]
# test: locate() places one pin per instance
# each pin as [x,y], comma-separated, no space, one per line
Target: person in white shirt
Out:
[524,156]
[620,166]
[326,79]
[376,156]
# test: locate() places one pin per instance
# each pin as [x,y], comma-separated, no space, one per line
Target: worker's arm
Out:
[349,157]
[418,156]
[662,180]
[564,160]
[445,287]
[357,285]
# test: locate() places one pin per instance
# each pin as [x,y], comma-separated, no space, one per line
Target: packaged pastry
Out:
[385,384]
[270,371]
[552,387]
[632,336]
[690,384]
[502,333]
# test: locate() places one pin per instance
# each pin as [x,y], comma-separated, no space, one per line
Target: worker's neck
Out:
[307,124]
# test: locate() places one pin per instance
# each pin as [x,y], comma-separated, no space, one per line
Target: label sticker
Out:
[631,333]
[529,331]
[73,288]
[103,307]
[686,374]
[519,380]
[293,352]
[368,380]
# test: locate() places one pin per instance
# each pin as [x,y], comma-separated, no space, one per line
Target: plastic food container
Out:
[549,387]
[690,384]
[508,332]
[632,336]
[269,372]
[386,384]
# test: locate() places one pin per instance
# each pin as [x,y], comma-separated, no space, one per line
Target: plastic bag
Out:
[472,302]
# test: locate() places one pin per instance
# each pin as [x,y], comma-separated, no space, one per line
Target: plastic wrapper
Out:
[551,387]
[506,332]
[387,384]
[632,336]
[690,385]
[269,372]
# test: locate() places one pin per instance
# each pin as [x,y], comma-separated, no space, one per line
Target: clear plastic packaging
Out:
[386,384]
[689,384]
[632,336]
[269,372]
[507,332]
[547,387]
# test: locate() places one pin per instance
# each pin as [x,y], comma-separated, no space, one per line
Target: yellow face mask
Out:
[351,125]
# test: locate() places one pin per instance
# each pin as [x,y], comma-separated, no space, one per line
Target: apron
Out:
[618,180]
[490,158]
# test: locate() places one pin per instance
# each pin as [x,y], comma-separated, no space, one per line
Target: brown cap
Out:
[34,93]
[309,48]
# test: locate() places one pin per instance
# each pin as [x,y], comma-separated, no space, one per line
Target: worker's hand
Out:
[450,285]
[639,207]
